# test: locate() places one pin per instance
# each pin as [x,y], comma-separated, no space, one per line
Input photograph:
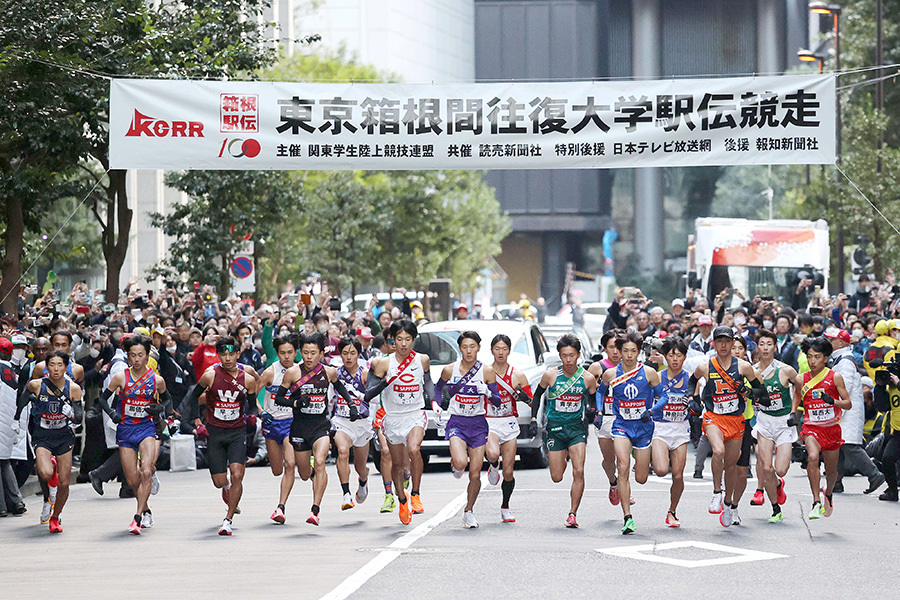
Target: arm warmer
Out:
[661,392]
[342,390]
[78,409]
[428,388]
[536,402]
[692,385]
[374,386]
[525,394]
[439,392]
[194,399]
[104,402]
[494,397]
[281,398]
[22,401]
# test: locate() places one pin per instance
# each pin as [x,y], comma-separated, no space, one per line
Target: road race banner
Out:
[161,124]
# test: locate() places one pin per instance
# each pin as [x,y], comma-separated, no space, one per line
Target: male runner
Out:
[823,395]
[671,430]
[634,388]
[386,466]
[503,421]
[774,438]
[228,385]
[570,408]
[276,423]
[723,422]
[136,389]
[349,433]
[304,388]
[404,383]
[56,408]
[469,383]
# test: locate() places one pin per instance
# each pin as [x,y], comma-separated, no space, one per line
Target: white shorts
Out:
[605,432]
[673,435]
[774,428]
[397,427]
[505,428]
[359,432]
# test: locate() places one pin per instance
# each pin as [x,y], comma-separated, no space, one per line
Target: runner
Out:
[605,419]
[503,422]
[305,389]
[823,395]
[385,464]
[228,385]
[671,430]
[357,433]
[136,404]
[404,379]
[739,350]
[774,438]
[634,387]
[276,423]
[469,384]
[56,408]
[570,408]
[723,421]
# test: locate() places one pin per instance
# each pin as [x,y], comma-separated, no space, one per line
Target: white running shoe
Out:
[362,493]
[347,504]
[493,474]
[727,517]
[507,515]
[53,494]
[715,505]
[146,520]
[154,485]
[456,473]
[735,517]
[46,511]
[225,529]
[469,521]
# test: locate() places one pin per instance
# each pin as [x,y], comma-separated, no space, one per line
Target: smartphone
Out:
[82,310]
[136,312]
[149,294]
[245,319]
[306,299]
[196,286]
[292,297]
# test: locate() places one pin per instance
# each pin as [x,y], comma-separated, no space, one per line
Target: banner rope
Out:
[866,198]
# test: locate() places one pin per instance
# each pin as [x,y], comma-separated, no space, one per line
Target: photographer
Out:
[887,400]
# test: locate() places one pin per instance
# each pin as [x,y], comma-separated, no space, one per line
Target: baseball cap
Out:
[677,302]
[416,303]
[462,307]
[705,320]
[6,346]
[158,330]
[840,334]
[19,339]
[867,381]
[365,333]
[723,332]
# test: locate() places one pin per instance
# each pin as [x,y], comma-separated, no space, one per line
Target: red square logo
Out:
[239,113]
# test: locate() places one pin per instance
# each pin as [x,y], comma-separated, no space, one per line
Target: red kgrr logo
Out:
[141,124]
[238,148]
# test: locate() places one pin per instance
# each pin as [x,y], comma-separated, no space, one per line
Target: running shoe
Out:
[313,518]
[827,504]
[154,485]
[469,521]
[672,520]
[614,495]
[777,517]
[735,517]
[362,493]
[726,517]
[405,515]
[46,511]
[571,523]
[96,482]
[817,511]
[758,498]
[278,516]
[715,505]
[415,504]
[388,504]
[348,502]
[134,528]
[55,526]
[493,474]
[629,527]
[507,516]
[456,474]
[225,529]
[781,498]
[631,500]
[146,520]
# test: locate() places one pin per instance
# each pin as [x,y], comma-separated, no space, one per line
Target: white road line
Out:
[735,555]
[387,556]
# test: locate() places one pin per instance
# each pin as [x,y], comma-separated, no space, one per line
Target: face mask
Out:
[95,352]
[896,335]
[258,345]
[322,327]
[768,324]
[858,333]
[739,320]
[172,349]
[18,356]
[862,289]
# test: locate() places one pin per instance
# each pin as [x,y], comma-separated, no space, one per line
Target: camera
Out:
[883,370]
[652,343]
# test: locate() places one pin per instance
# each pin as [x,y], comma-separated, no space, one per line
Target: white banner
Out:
[162,124]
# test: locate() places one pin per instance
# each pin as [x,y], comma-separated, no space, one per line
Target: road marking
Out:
[387,556]
[737,555]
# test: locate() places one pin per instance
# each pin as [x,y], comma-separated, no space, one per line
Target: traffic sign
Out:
[242,267]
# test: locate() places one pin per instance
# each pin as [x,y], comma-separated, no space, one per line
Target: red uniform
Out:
[226,399]
[821,420]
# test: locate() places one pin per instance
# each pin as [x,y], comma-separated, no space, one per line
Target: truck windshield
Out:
[779,283]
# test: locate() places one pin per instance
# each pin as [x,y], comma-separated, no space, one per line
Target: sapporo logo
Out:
[143,125]
[238,148]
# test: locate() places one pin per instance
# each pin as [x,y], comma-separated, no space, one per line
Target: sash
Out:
[809,385]
[137,382]
[402,367]
[507,385]
[454,388]
[299,383]
[567,385]
[350,382]
[724,375]
[625,376]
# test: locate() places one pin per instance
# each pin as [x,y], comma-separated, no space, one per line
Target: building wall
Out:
[519,256]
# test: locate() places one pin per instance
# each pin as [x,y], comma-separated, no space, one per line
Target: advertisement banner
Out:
[240,125]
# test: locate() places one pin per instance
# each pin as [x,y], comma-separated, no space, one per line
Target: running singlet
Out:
[632,396]
[406,393]
[779,395]
[675,410]
[316,389]
[48,408]
[279,413]
[468,400]
[355,386]
[136,396]
[608,399]
[565,402]
[508,399]
[725,399]
[817,412]
[226,399]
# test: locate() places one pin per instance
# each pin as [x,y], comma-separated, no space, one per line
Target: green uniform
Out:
[780,395]
[565,411]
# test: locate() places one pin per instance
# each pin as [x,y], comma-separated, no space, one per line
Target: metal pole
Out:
[840,232]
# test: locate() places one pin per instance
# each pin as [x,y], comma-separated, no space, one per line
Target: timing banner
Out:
[164,124]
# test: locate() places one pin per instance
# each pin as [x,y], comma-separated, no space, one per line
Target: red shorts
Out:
[829,437]
[731,426]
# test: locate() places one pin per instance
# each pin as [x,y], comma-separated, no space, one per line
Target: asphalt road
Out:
[361,553]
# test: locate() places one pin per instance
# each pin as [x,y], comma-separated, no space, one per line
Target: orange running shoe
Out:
[416,504]
[405,515]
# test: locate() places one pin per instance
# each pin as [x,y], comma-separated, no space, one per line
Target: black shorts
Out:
[306,430]
[746,442]
[225,447]
[57,441]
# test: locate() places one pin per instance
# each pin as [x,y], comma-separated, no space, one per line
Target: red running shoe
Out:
[758,499]
[782,497]
[55,527]
[614,495]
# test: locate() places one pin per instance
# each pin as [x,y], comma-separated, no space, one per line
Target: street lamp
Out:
[805,55]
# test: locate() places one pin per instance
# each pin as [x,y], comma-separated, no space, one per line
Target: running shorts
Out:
[673,435]
[505,428]
[472,430]
[562,436]
[278,430]
[305,431]
[131,436]
[360,431]
[829,436]
[225,447]
[731,426]
[774,429]
[640,433]
[604,432]
[57,441]
[397,426]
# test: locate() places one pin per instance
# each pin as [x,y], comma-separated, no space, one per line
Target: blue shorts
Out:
[472,430]
[640,434]
[131,436]
[278,430]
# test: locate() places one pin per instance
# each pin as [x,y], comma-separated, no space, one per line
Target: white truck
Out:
[765,258]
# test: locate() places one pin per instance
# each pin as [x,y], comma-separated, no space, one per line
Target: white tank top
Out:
[468,401]
[278,412]
[405,393]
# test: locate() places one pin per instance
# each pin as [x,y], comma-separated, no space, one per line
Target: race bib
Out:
[408,395]
[632,409]
[608,405]
[675,409]
[726,405]
[135,411]
[820,414]
[227,411]
[568,403]
[777,403]
[52,421]
[316,405]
